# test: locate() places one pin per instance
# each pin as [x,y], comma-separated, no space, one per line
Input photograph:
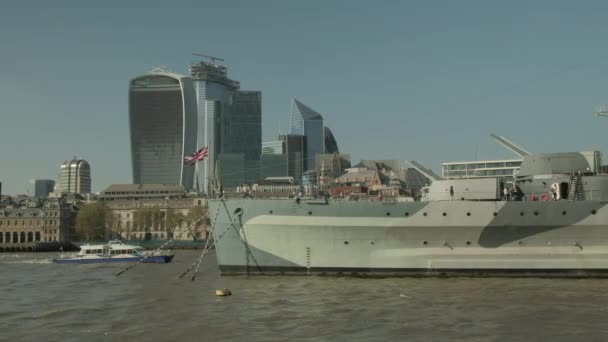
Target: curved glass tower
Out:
[307,122]
[162,113]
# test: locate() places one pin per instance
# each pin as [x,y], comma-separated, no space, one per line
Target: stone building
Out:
[28,225]
[142,212]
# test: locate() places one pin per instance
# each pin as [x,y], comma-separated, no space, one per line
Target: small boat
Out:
[113,251]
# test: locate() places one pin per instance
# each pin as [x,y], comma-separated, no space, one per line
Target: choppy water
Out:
[42,301]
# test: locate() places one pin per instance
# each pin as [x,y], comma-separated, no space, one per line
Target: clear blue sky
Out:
[424,80]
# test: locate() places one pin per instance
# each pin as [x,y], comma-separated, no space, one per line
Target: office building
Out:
[231,170]
[163,122]
[244,133]
[273,165]
[229,122]
[305,121]
[331,145]
[273,147]
[213,90]
[74,177]
[40,188]
[295,149]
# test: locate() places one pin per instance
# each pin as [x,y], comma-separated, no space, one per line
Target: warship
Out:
[554,223]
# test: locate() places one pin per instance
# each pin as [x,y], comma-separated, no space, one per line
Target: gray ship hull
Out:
[555,238]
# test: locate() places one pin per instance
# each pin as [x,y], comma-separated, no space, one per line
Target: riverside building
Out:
[140,212]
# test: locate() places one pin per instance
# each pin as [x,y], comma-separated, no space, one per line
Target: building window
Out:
[22,237]
[37,236]
[7,237]
[30,237]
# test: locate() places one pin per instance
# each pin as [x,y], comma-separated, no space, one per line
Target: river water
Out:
[42,301]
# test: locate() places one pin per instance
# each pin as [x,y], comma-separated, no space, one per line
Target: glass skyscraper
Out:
[40,188]
[244,131]
[229,122]
[163,123]
[307,122]
[213,90]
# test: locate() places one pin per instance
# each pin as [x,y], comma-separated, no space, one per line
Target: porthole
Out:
[564,212]
[424,214]
[388,214]
[407,214]
[425,242]
[310,213]
[594,211]
[468,214]
[445,214]
[372,242]
[346,242]
[468,242]
[495,214]
[270,212]
[536,213]
[521,214]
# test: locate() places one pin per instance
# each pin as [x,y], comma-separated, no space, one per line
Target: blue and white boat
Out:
[113,251]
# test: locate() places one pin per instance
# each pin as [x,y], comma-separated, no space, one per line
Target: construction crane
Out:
[213,59]
[601,110]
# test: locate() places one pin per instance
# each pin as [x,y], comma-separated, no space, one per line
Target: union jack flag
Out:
[198,155]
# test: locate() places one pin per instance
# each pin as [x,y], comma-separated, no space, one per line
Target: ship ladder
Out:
[575,189]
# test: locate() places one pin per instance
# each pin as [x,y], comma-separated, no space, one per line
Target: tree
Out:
[93,221]
[195,218]
[172,220]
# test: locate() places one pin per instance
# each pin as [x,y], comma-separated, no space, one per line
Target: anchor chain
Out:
[166,243]
[196,264]
[248,253]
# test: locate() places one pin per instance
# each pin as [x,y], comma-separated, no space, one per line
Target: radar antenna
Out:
[601,110]
[212,58]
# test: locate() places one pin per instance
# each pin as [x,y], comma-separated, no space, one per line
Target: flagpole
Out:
[198,189]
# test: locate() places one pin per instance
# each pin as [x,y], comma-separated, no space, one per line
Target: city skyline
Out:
[419,81]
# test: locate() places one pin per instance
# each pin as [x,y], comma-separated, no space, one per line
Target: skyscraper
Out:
[213,89]
[295,147]
[331,146]
[229,122]
[74,177]
[244,131]
[40,188]
[163,122]
[307,122]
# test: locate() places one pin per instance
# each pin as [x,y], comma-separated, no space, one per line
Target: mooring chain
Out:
[196,264]
[244,240]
